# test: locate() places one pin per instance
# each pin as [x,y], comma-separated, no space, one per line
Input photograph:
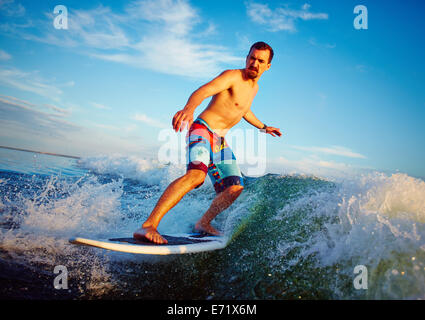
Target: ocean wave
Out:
[292,235]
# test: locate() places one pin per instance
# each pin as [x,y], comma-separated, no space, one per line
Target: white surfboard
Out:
[177,244]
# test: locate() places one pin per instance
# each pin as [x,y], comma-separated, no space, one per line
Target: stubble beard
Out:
[252,74]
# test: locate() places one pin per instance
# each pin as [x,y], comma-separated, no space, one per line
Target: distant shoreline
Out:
[40,152]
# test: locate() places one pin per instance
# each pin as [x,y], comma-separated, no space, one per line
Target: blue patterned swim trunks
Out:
[210,153]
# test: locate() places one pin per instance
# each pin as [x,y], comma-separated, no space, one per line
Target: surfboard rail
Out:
[193,245]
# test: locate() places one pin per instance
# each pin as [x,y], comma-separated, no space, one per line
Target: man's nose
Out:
[254,64]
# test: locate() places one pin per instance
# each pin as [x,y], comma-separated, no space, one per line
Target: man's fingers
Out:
[183,125]
[186,123]
[189,124]
[277,131]
[181,120]
[274,131]
[178,122]
[176,119]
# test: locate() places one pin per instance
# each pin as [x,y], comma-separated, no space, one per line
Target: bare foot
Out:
[207,228]
[149,233]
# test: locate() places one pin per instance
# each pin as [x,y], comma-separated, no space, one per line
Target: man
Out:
[232,94]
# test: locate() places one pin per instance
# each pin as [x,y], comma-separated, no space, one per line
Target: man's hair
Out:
[262,46]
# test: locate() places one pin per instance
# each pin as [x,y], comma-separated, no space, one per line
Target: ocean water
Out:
[292,236]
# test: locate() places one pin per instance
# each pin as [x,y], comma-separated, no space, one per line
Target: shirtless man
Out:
[233,92]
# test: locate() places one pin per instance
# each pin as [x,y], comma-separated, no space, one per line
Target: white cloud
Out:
[149,121]
[262,14]
[100,106]
[4,55]
[312,165]
[30,82]
[156,35]
[306,6]
[169,47]
[174,55]
[59,111]
[314,42]
[106,126]
[97,28]
[32,126]
[12,9]
[15,100]
[334,150]
[176,17]
[24,118]
[281,18]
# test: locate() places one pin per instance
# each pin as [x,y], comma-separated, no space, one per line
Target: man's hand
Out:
[273,131]
[181,119]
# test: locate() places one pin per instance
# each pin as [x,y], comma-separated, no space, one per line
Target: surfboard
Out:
[177,244]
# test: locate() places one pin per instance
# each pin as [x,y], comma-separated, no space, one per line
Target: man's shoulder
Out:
[229,77]
[232,73]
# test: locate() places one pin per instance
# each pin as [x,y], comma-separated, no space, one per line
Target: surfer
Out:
[208,153]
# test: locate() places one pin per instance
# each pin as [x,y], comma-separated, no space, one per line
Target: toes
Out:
[161,240]
[157,238]
[151,235]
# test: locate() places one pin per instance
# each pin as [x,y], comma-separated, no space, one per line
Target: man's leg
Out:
[171,196]
[221,202]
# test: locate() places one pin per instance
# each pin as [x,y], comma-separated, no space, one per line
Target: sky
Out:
[109,78]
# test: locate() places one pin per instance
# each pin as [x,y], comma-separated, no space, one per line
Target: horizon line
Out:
[41,152]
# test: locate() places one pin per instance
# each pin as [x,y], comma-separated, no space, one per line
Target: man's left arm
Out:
[253,120]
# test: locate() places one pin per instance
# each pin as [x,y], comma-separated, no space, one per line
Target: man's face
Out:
[257,62]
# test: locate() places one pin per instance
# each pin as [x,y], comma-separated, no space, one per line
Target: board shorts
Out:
[209,152]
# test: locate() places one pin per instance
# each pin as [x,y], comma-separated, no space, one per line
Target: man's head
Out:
[258,60]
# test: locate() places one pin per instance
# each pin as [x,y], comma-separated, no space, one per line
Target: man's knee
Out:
[195,177]
[234,190]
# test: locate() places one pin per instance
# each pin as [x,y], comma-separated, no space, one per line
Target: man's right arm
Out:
[222,82]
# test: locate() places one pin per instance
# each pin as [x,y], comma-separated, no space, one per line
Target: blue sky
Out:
[344,98]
